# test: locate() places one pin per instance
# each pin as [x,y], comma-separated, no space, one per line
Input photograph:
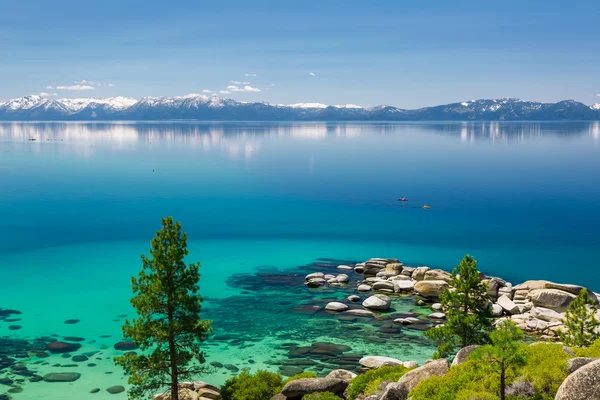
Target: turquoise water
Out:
[80,203]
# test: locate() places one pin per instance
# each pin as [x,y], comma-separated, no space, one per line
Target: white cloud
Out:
[235,82]
[250,74]
[76,87]
[207,91]
[82,82]
[49,87]
[251,89]
[312,74]
[247,83]
[247,88]
[44,94]
[112,85]
[598,95]
[272,84]
[224,92]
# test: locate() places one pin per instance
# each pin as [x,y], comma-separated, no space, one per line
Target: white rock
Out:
[379,361]
[436,307]
[345,267]
[336,306]
[314,275]
[404,285]
[353,297]
[496,310]
[508,305]
[437,315]
[342,278]
[377,302]
[364,288]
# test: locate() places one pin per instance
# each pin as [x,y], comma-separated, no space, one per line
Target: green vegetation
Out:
[258,386]
[592,351]
[369,382]
[505,355]
[321,396]
[168,329]
[466,311]
[581,322]
[246,386]
[477,378]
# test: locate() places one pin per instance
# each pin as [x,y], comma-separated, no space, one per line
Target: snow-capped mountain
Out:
[214,108]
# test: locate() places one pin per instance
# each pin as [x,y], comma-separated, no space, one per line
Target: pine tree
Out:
[583,328]
[505,354]
[168,329]
[465,302]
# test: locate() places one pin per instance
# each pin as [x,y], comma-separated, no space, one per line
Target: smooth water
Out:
[80,203]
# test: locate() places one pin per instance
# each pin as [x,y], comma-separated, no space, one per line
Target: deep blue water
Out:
[81,202]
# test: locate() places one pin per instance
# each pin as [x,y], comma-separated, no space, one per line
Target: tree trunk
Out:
[502,383]
[172,352]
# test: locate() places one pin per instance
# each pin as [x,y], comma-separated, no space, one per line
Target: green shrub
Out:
[246,386]
[472,378]
[592,351]
[321,396]
[546,368]
[368,382]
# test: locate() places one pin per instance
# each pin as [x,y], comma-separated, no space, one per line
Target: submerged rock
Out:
[62,377]
[62,347]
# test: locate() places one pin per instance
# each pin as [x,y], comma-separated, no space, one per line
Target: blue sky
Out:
[404,53]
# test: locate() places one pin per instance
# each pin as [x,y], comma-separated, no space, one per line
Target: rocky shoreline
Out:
[535,306]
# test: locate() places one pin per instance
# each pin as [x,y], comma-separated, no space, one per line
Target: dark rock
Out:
[216,364]
[95,390]
[62,347]
[36,378]
[125,346]
[73,339]
[115,389]
[575,363]
[71,321]
[62,377]
[14,327]
[79,358]
[231,367]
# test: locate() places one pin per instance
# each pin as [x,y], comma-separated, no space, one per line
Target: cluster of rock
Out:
[338,381]
[196,390]
[535,306]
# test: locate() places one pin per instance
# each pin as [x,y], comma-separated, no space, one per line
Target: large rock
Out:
[395,391]
[364,288]
[433,368]
[554,299]
[546,314]
[403,285]
[574,364]
[463,354]
[184,394]
[62,377]
[373,362]
[437,275]
[300,387]
[583,384]
[430,288]
[496,310]
[507,304]
[419,273]
[377,302]
[342,278]
[314,275]
[62,347]
[535,285]
[336,306]
[341,374]
[385,285]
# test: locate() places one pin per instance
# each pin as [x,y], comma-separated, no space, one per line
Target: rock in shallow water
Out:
[62,347]
[377,302]
[115,389]
[336,306]
[62,377]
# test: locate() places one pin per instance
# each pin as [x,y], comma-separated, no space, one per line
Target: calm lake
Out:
[262,202]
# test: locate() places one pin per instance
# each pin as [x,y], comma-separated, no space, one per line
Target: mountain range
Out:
[214,108]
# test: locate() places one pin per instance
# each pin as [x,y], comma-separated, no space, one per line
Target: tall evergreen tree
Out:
[583,328]
[465,302]
[505,353]
[168,329]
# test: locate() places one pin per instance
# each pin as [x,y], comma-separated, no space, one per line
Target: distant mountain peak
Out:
[202,107]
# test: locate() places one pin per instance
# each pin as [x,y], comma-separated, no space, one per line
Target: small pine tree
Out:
[583,328]
[465,303]
[505,353]
[168,329]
